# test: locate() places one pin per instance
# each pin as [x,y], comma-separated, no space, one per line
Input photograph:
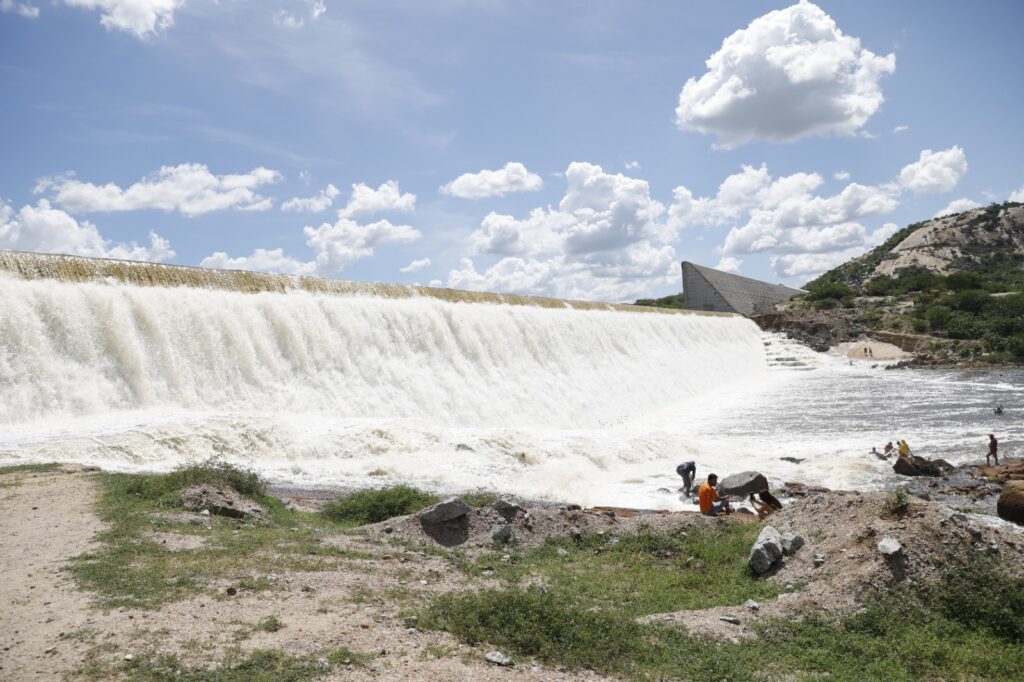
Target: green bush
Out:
[970,301]
[827,303]
[937,316]
[983,596]
[826,290]
[374,506]
[896,503]
[213,471]
[962,281]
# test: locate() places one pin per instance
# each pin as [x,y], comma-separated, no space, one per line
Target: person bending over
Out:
[710,505]
[760,508]
[687,470]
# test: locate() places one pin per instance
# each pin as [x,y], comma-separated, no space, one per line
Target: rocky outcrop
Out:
[921,466]
[766,551]
[221,501]
[443,512]
[1011,502]
[743,484]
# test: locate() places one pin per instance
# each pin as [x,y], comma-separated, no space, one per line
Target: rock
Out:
[1011,502]
[794,460]
[502,533]
[791,542]
[462,447]
[221,501]
[766,551]
[498,658]
[733,620]
[798,489]
[506,508]
[561,552]
[921,466]
[742,484]
[819,560]
[974,532]
[128,657]
[231,591]
[752,605]
[442,512]
[890,547]
[410,621]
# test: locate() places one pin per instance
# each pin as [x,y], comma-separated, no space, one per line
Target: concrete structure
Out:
[708,289]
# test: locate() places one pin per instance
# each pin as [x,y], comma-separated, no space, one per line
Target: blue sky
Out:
[576,149]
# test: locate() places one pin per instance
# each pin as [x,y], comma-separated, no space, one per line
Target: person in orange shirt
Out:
[709,502]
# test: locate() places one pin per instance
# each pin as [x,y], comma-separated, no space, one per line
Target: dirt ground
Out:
[48,629]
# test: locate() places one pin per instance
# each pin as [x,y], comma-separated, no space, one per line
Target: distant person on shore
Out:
[993,449]
[710,505]
[687,470]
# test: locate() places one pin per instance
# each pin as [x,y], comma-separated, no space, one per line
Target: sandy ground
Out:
[868,349]
[46,520]
[48,629]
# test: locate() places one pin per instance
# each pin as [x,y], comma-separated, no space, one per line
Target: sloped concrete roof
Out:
[743,294]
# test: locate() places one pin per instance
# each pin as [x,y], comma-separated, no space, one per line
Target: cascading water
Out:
[334,383]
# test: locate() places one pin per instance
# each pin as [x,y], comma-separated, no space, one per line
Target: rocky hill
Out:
[988,241]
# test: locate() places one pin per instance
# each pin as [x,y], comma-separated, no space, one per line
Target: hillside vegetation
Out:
[959,278]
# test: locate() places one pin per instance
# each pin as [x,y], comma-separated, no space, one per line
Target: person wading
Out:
[687,470]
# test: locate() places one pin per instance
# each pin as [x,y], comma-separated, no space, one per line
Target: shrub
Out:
[374,506]
[826,303]
[826,290]
[962,281]
[896,503]
[937,316]
[213,471]
[971,301]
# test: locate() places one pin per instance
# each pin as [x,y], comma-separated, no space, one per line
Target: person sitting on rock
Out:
[710,505]
[760,508]
[993,449]
[687,470]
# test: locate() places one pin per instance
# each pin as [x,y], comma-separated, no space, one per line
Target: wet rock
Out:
[921,466]
[442,512]
[766,551]
[498,658]
[793,460]
[743,484]
[798,489]
[221,501]
[1010,505]
[462,447]
[890,547]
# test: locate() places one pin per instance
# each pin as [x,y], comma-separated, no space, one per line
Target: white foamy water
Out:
[583,405]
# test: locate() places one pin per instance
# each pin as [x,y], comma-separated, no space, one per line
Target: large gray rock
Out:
[766,551]
[1011,502]
[742,484]
[502,533]
[921,466]
[222,501]
[442,512]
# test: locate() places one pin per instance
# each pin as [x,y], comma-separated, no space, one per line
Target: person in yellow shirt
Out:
[904,449]
[708,498]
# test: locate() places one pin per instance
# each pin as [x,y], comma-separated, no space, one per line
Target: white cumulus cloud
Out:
[416,265]
[958,206]
[45,229]
[189,188]
[261,260]
[321,201]
[388,197]
[20,8]
[513,177]
[142,18]
[789,74]
[729,264]
[841,176]
[935,171]
[1017,195]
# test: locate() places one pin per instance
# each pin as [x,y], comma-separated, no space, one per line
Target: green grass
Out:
[261,665]
[29,468]
[642,573]
[130,569]
[373,506]
[970,627]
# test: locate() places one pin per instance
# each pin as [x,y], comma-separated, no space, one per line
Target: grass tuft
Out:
[213,471]
[374,506]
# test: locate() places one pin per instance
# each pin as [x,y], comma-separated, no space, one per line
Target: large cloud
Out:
[606,240]
[789,74]
[935,171]
[142,18]
[958,206]
[513,177]
[334,246]
[388,197]
[189,188]
[45,229]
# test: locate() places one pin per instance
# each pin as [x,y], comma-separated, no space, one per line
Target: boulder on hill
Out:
[221,501]
[1011,502]
[442,512]
[766,551]
[921,466]
[743,484]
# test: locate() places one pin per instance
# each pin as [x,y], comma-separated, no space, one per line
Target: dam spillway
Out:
[134,365]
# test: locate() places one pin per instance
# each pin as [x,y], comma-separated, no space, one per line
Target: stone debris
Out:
[502,533]
[442,512]
[1010,505]
[742,484]
[498,658]
[791,542]
[819,560]
[752,605]
[766,551]
[221,501]
[890,547]
[732,620]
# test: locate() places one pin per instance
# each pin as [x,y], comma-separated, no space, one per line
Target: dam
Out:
[141,366]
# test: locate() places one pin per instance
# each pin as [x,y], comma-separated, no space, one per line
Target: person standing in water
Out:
[993,449]
[687,470]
